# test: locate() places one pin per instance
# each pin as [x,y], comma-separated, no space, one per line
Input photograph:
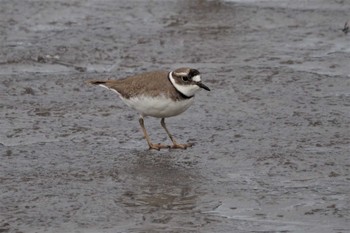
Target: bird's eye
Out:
[185,78]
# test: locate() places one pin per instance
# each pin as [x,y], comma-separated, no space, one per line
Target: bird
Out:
[160,94]
[346,27]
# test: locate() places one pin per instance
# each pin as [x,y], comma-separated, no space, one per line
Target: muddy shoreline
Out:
[271,139]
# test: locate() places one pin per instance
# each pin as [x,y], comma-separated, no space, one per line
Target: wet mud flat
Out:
[272,137]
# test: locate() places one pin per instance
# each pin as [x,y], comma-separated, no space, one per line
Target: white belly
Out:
[160,106]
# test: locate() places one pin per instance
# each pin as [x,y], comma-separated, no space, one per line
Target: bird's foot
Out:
[174,146]
[181,146]
[157,146]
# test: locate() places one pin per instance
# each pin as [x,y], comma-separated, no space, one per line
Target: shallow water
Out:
[271,139]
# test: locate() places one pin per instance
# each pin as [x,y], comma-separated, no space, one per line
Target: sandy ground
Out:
[272,137]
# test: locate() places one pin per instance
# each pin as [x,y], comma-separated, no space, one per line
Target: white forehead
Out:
[196,78]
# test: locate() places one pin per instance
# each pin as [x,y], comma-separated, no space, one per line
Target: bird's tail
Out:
[96,82]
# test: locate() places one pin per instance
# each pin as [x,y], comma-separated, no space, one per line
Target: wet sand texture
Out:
[272,137]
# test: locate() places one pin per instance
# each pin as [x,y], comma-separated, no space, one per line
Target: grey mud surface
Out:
[272,137]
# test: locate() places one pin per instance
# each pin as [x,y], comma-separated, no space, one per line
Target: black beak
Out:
[201,85]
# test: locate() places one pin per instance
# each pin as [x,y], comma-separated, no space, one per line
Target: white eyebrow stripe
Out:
[181,74]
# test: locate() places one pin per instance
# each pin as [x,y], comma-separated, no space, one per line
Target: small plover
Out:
[159,94]
[346,27]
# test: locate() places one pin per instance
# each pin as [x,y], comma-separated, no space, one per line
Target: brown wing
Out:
[150,83]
